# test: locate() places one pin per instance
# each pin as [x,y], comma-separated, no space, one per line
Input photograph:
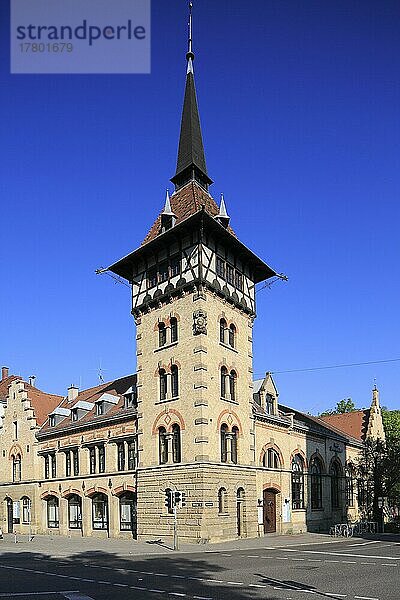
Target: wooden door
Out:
[269,501]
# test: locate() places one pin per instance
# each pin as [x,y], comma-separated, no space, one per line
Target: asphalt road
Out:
[353,570]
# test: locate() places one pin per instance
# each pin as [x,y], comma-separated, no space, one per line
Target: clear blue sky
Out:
[299,103]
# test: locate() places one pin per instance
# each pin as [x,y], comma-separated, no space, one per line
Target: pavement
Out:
[270,568]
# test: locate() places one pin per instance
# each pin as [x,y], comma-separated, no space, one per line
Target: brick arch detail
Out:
[70,491]
[160,421]
[272,485]
[236,422]
[166,320]
[229,368]
[277,450]
[336,459]
[48,493]
[303,456]
[96,490]
[121,489]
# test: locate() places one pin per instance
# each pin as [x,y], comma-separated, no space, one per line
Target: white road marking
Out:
[345,554]
[365,598]
[364,543]
[36,594]
[76,596]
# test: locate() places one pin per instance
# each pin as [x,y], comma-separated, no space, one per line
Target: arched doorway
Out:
[240,511]
[128,513]
[269,510]
[10,516]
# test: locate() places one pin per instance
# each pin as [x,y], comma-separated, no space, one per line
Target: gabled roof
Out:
[186,202]
[354,423]
[4,384]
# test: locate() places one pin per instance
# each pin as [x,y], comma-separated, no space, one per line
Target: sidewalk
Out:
[59,547]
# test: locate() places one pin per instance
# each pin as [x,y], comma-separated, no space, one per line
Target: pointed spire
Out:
[168,218]
[223,217]
[191,162]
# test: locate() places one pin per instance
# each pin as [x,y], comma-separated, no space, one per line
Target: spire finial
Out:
[222,217]
[189,54]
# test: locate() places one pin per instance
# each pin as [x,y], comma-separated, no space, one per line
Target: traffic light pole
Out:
[176,543]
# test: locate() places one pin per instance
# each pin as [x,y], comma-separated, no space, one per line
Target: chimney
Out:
[73,391]
[4,373]
[32,380]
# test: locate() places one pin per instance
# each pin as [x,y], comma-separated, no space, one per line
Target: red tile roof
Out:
[117,388]
[42,402]
[186,202]
[354,423]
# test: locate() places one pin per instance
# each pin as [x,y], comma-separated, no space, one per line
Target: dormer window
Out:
[52,421]
[269,404]
[74,414]
[100,408]
[130,400]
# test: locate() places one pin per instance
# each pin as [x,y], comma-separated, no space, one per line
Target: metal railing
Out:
[350,529]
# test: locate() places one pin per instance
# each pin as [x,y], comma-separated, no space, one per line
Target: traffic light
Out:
[177,497]
[169,499]
[183,499]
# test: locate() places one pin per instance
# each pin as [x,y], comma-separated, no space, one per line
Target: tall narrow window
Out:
[102,458]
[316,484]
[269,404]
[174,381]
[230,274]
[17,468]
[131,455]
[222,500]
[26,510]
[162,334]
[232,335]
[163,445]
[174,266]
[174,329]
[75,460]
[335,473]
[53,465]
[92,459]
[234,444]
[297,482]
[46,466]
[163,272]
[52,512]
[239,281]
[220,267]
[176,443]
[224,376]
[68,463]
[232,385]
[15,424]
[224,442]
[74,512]
[100,511]
[152,277]
[222,329]
[163,384]
[121,456]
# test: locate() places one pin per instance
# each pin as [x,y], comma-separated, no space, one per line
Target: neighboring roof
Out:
[257,383]
[186,202]
[88,398]
[41,402]
[353,423]
[4,383]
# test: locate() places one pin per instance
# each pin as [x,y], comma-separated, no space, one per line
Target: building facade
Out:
[102,461]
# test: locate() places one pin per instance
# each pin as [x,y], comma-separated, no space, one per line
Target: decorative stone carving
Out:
[199,322]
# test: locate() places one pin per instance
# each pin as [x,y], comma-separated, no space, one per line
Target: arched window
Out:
[17,467]
[222,496]
[52,512]
[222,329]
[335,473]
[75,512]
[162,334]
[174,381]
[350,485]
[232,385]
[316,483]
[174,329]
[176,443]
[127,512]
[271,459]
[224,442]
[100,511]
[224,376]
[26,510]
[232,335]
[234,445]
[163,445]
[297,482]
[163,384]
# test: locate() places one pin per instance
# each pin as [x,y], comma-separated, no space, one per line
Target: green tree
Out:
[343,406]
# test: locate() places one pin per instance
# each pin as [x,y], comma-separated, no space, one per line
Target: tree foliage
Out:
[343,406]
